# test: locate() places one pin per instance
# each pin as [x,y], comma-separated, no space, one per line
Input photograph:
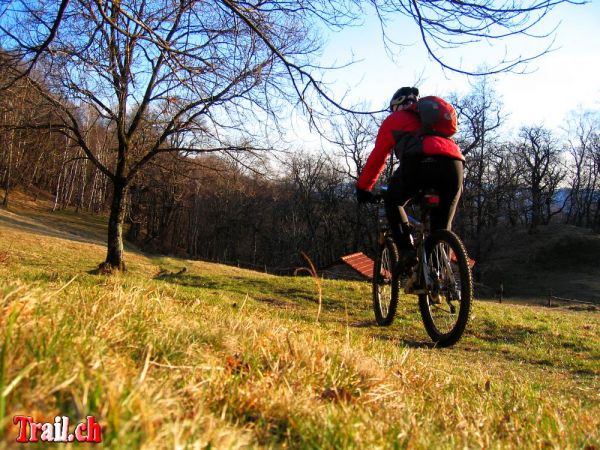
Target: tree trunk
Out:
[8,171]
[596,222]
[536,209]
[115,258]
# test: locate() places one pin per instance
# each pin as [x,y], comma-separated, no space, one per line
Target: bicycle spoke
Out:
[385,289]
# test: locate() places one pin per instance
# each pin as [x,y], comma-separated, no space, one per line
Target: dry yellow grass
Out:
[221,357]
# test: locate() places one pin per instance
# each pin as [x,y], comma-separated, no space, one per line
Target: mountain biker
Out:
[438,164]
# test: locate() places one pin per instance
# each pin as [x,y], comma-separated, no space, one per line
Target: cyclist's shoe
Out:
[408,259]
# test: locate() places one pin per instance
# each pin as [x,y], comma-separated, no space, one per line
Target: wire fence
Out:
[557,300]
[550,300]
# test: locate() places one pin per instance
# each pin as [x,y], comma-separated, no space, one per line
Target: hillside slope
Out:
[561,260]
[221,357]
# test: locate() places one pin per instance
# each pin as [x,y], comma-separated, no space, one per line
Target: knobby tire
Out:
[445,338]
[386,284]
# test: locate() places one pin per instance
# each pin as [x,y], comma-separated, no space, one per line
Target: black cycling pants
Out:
[445,175]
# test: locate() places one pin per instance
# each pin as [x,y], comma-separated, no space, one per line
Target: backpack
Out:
[438,119]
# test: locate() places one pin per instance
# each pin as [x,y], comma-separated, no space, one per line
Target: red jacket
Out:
[405,120]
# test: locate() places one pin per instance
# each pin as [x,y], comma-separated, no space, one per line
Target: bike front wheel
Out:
[446,306]
[385,284]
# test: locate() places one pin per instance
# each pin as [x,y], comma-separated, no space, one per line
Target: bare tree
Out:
[540,158]
[164,76]
[480,117]
[193,70]
[353,138]
[323,222]
[584,149]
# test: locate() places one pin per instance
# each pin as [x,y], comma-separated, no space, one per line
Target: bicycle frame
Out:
[421,282]
[420,276]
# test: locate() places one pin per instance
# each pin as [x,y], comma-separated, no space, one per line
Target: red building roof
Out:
[361,263]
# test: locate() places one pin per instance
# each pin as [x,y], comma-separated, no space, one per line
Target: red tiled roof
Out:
[364,265]
[361,263]
[471,262]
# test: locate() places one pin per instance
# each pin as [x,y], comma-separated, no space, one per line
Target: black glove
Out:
[364,196]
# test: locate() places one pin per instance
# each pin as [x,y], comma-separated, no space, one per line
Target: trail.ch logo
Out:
[57,431]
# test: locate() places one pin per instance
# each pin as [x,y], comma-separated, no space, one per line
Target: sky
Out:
[564,80]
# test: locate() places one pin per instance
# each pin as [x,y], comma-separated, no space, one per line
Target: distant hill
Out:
[560,259]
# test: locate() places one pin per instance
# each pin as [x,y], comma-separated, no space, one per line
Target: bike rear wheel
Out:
[385,284]
[445,309]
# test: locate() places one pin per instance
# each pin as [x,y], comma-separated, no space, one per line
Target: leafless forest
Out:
[241,208]
[145,113]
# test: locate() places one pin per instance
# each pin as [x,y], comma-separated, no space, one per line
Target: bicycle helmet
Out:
[404,96]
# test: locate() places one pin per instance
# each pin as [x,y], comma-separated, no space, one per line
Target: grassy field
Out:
[224,358]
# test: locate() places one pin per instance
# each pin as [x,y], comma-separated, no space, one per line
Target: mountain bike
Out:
[441,278]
